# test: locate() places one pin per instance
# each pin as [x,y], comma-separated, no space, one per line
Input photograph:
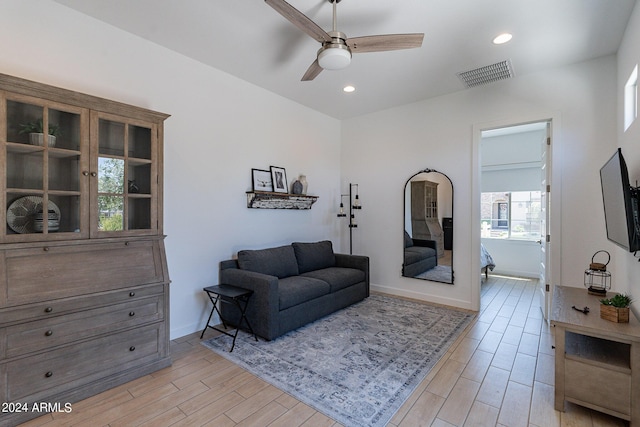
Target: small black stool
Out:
[238,296]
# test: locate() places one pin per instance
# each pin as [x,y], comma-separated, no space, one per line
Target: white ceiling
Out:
[250,40]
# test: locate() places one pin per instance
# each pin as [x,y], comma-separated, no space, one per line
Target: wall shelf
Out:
[269,200]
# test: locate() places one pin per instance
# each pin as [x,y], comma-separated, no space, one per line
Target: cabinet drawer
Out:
[47,309]
[609,389]
[78,364]
[48,333]
[45,273]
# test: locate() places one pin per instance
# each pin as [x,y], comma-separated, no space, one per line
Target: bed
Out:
[486,261]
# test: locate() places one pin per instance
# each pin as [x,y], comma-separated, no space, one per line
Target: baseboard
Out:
[191,328]
[515,273]
[451,302]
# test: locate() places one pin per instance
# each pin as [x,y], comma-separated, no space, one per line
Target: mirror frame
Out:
[404,225]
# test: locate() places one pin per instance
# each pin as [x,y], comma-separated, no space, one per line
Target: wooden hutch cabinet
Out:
[84,286]
[424,213]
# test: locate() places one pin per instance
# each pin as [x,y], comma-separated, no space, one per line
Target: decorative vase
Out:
[296,187]
[614,314]
[303,181]
[38,139]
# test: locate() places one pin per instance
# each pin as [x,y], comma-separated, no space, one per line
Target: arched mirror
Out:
[428,227]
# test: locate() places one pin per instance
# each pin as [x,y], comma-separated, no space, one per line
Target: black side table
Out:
[239,296]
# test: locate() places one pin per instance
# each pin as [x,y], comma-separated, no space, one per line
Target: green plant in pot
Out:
[616,308]
[619,300]
[36,132]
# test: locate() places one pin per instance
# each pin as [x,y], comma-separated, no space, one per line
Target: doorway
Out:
[514,202]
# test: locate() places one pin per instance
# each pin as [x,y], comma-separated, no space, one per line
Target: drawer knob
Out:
[132,313]
[85,173]
[132,294]
[94,174]
[48,374]
[48,309]
[46,249]
[49,333]
[132,348]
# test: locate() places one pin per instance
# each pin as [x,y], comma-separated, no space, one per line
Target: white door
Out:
[545,210]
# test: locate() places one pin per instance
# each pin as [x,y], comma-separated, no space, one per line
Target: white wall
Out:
[519,258]
[381,150]
[625,275]
[220,128]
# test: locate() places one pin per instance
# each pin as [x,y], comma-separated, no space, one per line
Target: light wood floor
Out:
[499,372]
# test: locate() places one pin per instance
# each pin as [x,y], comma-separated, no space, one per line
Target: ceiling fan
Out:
[336,49]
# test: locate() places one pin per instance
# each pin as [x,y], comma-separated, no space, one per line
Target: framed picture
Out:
[261,180]
[279,179]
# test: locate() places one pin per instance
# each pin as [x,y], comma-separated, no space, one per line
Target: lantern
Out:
[597,279]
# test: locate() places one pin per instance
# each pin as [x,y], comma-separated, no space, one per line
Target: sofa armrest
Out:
[359,262]
[425,243]
[264,304]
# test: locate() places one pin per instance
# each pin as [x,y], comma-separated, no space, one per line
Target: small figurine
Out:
[133,187]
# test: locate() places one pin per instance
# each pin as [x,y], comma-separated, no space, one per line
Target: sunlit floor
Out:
[502,371]
[498,373]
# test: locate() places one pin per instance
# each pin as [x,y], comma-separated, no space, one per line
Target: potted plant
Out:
[616,308]
[36,133]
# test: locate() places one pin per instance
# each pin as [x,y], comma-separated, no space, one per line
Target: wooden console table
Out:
[597,362]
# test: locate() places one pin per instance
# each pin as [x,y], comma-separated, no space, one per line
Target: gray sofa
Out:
[419,256]
[294,285]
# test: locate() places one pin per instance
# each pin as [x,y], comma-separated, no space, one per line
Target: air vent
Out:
[488,74]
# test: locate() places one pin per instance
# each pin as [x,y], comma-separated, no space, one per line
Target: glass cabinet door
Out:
[46,158]
[126,187]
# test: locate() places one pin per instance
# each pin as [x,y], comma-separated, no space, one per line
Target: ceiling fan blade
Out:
[299,19]
[312,71]
[385,42]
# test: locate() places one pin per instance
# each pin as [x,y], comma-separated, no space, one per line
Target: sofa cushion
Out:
[280,262]
[314,256]
[418,253]
[408,241]
[337,277]
[298,289]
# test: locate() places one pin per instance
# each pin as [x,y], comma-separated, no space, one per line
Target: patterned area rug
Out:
[358,365]
[439,273]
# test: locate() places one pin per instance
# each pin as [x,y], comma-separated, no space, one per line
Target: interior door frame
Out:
[545,209]
[554,271]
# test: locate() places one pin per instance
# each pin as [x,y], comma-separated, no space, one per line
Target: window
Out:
[631,99]
[503,215]
[511,215]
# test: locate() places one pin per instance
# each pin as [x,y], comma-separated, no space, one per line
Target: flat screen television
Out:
[620,204]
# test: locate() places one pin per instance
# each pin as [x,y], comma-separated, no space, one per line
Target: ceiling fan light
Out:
[334,58]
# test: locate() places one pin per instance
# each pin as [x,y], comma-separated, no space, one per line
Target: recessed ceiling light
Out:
[502,38]
[349,89]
